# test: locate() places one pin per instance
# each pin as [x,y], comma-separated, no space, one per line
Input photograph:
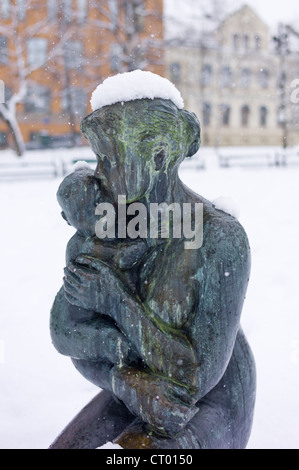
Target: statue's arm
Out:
[86,335]
[166,351]
[82,333]
[161,391]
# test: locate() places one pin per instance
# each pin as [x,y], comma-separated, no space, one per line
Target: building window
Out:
[226,77]
[264,78]
[282,80]
[245,113]
[3,50]
[5,9]
[175,72]
[21,9]
[263,116]
[115,58]
[37,52]
[295,115]
[246,42]
[134,17]
[52,10]
[74,100]
[67,10]
[258,43]
[81,11]
[245,78]
[206,75]
[207,114]
[3,139]
[7,93]
[225,113]
[73,54]
[236,42]
[113,10]
[38,99]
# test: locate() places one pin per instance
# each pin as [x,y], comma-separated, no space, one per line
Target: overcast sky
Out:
[271,11]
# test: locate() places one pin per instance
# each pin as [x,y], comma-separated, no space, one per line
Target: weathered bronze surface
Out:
[155,325]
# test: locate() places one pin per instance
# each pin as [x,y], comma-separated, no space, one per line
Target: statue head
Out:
[139,142]
[78,195]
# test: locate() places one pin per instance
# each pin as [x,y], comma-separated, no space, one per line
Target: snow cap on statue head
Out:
[132,86]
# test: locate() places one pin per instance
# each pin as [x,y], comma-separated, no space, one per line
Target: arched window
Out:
[246,42]
[225,112]
[258,43]
[245,113]
[236,41]
[263,116]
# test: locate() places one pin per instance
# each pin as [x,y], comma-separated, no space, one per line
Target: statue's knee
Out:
[97,373]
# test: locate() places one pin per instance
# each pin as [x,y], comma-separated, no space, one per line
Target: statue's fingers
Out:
[90,262]
[178,392]
[80,275]
[71,275]
[77,291]
[68,286]
[75,282]
[71,299]
[74,270]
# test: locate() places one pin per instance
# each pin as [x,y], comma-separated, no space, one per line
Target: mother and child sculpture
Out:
[150,320]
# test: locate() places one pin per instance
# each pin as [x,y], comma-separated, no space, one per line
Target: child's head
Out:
[78,196]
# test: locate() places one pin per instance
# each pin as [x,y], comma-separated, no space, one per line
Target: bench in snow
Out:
[196,162]
[227,159]
[19,169]
[289,156]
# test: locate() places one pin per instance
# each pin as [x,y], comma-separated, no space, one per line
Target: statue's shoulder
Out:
[224,234]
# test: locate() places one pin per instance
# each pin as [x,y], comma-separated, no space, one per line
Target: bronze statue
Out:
[155,325]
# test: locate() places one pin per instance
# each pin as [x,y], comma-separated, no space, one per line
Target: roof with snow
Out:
[134,85]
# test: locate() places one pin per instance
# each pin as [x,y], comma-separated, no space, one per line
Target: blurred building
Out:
[53,53]
[237,83]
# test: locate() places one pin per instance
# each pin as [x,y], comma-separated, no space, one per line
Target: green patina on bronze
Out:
[155,324]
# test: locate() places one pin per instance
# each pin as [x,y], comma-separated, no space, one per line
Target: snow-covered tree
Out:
[287,48]
[131,33]
[70,47]
[28,52]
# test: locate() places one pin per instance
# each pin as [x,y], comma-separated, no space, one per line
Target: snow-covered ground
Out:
[40,391]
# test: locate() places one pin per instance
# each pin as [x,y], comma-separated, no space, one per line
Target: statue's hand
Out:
[88,283]
[80,286]
[158,402]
